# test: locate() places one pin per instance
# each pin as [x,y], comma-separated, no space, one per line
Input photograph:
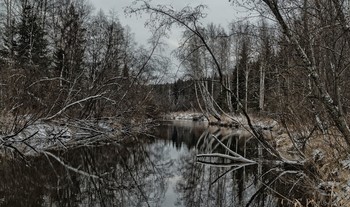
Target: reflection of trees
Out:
[136,174]
[181,132]
[256,185]
[200,186]
[130,175]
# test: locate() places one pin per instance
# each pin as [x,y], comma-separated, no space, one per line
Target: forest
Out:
[60,57]
[61,61]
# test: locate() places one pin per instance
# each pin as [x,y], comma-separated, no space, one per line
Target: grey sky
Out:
[219,12]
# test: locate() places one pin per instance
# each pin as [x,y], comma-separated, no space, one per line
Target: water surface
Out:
[157,170]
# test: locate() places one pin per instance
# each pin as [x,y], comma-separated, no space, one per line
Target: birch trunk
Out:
[262,87]
[237,89]
[228,94]
[325,98]
[246,89]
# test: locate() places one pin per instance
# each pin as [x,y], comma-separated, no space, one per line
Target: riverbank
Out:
[326,161]
[184,115]
[28,135]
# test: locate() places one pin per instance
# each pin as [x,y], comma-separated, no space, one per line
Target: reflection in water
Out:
[145,171]
[134,175]
[203,185]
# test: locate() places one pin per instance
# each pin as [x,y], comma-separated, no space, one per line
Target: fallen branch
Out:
[237,159]
[72,104]
[235,166]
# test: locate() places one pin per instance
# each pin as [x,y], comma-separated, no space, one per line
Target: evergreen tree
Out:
[7,51]
[240,72]
[31,47]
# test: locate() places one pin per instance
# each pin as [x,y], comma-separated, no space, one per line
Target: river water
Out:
[160,169]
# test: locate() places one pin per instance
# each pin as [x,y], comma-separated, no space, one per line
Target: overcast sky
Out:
[218,11]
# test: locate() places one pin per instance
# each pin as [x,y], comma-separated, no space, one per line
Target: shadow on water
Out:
[157,171]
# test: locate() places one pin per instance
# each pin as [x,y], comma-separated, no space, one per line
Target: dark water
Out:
[160,170]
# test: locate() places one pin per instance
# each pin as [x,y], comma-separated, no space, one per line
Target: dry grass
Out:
[326,152]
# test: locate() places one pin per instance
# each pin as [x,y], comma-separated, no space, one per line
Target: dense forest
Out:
[254,66]
[295,69]
[62,60]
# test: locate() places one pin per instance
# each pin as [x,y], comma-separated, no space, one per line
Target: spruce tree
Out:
[7,50]
[31,44]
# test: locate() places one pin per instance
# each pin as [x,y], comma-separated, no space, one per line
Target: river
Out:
[158,169]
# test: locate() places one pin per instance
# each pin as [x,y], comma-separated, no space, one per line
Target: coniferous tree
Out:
[240,74]
[31,47]
[8,49]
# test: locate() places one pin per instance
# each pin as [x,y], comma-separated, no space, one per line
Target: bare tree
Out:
[188,18]
[324,96]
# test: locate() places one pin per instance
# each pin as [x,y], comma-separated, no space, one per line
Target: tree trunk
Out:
[212,86]
[237,89]
[246,89]
[228,94]
[325,98]
[262,87]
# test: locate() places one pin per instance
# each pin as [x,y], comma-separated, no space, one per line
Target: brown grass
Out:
[331,150]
